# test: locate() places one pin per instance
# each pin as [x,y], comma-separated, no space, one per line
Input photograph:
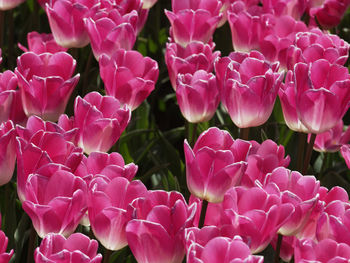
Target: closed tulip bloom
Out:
[195,56]
[55,201]
[345,152]
[316,44]
[41,43]
[66,21]
[110,31]
[108,201]
[322,94]
[197,95]
[10,99]
[325,251]
[250,91]
[9,4]
[216,163]
[128,76]
[156,232]
[207,246]
[212,6]
[189,25]
[7,151]
[46,83]
[101,120]
[4,257]
[293,8]
[76,248]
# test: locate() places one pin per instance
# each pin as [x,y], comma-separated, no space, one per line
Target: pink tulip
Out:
[298,190]
[345,152]
[109,165]
[293,8]
[7,151]
[195,56]
[213,6]
[76,248]
[128,76]
[249,90]
[192,25]
[45,83]
[10,99]
[216,163]
[9,4]
[328,13]
[252,213]
[197,95]
[101,120]
[4,257]
[110,31]
[333,139]
[41,144]
[66,21]
[206,246]
[108,200]
[41,43]
[275,43]
[316,44]
[263,159]
[325,251]
[287,247]
[55,201]
[156,232]
[247,28]
[322,94]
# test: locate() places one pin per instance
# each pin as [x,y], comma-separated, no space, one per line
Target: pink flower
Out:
[213,6]
[293,8]
[109,165]
[108,200]
[41,43]
[216,163]
[41,144]
[45,83]
[263,159]
[247,27]
[4,257]
[322,94]
[7,151]
[252,213]
[76,248]
[128,76]
[298,190]
[275,43]
[333,139]
[250,89]
[325,251]
[197,95]
[9,4]
[195,56]
[66,21]
[192,25]
[10,99]
[156,232]
[328,12]
[316,44]
[207,246]
[101,120]
[55,201]
[345,152]
[110,31]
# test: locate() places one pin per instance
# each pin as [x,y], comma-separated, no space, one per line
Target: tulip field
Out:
[172,131]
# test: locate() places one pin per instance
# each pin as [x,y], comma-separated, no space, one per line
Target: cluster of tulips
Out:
[244,199]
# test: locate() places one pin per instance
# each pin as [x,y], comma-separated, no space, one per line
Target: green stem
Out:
[86,75]
[244,133]
[310,146]
[203,213]
[302,138]
[194,134]
[107,255]
[278,248]
[10,40]
[31,245]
